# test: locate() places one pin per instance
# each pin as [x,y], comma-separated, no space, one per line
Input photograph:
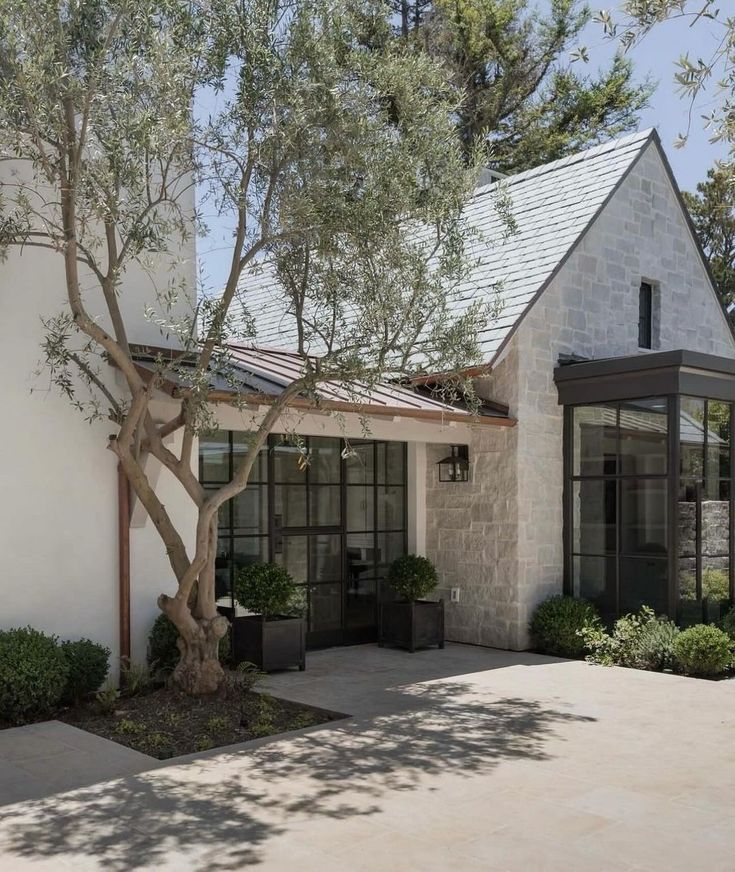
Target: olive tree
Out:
[338,169]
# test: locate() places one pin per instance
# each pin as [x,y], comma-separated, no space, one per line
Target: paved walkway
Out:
[42,759]
[463,759]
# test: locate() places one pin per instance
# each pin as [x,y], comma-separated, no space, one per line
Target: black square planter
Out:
[277,643]
[412,625]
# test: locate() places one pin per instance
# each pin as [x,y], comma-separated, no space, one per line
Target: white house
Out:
[601,463]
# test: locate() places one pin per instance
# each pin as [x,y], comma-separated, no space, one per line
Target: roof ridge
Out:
[642,136]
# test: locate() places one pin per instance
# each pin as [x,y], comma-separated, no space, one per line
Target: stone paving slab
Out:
[51,757]
[463,759]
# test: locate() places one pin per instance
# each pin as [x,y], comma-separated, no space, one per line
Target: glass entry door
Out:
[332,513]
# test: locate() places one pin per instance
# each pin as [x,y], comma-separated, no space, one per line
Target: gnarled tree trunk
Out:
[198,671]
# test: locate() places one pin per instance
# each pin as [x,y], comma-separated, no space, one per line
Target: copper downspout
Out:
[123,534]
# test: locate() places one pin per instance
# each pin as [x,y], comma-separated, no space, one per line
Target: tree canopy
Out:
[337,166]
[712,208]
[523,93]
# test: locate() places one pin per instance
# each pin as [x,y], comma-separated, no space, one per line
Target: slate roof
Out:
[552,205]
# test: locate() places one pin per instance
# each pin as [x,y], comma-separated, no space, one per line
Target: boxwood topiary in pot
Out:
[413,622]
[274,636]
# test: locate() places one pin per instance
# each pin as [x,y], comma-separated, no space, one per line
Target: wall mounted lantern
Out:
[455,467]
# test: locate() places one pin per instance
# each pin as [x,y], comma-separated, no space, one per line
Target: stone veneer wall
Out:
[500,538]
[472,528]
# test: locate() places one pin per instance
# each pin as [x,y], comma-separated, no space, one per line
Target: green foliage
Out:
[263,724]
[639,641]
[655,645]
[521,93]
[106,700]
[129,727]
[337,167]
[557,624]
[728,623]
[204,743]
[163,652]
[703,650]
[33,674]
[712,208]
[217,724]
[89,664]
[413,577]
[243,679]
[264,588]
[135,678]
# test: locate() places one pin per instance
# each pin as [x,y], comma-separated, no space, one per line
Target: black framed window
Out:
[705,509]
[617,504]
[334,513]
[649,506]
[645,315]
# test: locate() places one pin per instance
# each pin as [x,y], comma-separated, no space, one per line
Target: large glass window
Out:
[619,495]
[333,513]
[649,506]
[704,509]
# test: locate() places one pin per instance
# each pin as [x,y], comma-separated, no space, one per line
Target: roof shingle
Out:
[552,205]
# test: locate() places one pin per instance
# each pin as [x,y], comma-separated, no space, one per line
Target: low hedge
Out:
[703,650]
[33,674]
[89,664]
[557,625]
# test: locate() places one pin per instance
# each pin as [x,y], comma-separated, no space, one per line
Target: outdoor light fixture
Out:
[456,467]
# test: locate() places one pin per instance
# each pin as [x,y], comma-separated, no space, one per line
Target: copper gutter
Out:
[438,415]
[123,540]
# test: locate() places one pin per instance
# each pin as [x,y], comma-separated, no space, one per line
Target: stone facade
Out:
[499,539]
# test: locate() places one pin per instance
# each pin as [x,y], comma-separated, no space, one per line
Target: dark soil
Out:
[164,723]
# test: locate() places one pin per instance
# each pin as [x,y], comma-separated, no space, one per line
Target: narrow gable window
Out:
[645,313]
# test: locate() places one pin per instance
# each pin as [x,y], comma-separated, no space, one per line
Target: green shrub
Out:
[163,652]
[655,645]
[557,625]
[412,577]
[33,673]
[88,664]
[640,641]
[728,623]
[703,650]
[265,588]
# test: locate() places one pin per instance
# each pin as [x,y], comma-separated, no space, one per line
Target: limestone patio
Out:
[466,759]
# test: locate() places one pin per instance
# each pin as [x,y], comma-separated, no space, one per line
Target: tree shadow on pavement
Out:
[217,813]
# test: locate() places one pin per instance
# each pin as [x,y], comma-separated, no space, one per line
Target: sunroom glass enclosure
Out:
[648,497]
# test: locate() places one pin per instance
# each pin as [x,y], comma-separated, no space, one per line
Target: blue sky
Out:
[654,57]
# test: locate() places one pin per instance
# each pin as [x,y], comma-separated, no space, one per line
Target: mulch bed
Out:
[164,723]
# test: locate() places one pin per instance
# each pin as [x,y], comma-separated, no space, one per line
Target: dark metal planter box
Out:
[277,643]
[412,625]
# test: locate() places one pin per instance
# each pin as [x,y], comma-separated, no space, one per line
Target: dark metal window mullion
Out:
[673,460]
[231,524]
[567,490]
[732,504]
[618,508]
[701,491]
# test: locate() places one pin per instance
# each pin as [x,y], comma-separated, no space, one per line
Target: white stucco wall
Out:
[58,513]
[500,538]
